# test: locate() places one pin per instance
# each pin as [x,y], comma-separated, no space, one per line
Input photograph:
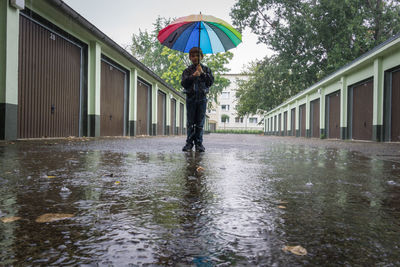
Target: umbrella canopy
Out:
[211,34]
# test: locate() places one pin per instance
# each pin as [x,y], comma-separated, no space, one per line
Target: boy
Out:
[196,80]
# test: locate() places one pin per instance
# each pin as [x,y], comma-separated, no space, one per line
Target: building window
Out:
[225,107]
[253,120]
[239,119]
[225,95]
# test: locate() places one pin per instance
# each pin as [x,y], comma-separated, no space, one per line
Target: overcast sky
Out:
[119,19]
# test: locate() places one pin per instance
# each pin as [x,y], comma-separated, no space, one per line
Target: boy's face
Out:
[195,58]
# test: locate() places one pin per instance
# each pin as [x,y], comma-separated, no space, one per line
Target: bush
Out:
[230,131]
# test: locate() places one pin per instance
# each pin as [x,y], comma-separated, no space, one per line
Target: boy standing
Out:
[196,80]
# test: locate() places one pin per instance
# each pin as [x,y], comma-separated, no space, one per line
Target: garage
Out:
[392,106]
[112,98]
[293,121]
[181,116]
[49,81]
[280,124]
[361,110]
[143,108]
[173,130]
[161,112]
[333,115]
[314,118]
[285,133]
[302,120]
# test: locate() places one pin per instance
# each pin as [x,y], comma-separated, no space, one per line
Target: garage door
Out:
[314,118]
[395,112]
[361,108]
[49,82]
[280,124]
[181,118]
[333,115]
[285,123]
[161,113]
[143,108]
[112,91]
[293,121]
[302,120]
[173,117]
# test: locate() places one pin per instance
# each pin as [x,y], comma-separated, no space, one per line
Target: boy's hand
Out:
[199,71]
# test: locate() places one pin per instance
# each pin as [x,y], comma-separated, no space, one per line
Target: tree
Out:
[169,64]
[263,89]
[313,38]
[224,118]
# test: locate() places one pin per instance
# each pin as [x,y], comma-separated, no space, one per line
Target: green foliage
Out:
[231,131]
[311,39]
[263,90]
[169,64]
[224,117]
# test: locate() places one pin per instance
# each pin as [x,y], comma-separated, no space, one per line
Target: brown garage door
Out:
[112,99]
[161,108]
[362,111]
[293,121]
[285,123]
[49,83]
[333,115]
[143,108]
[173,117]
[181,116]
[302,120]
[395,112]
[280,124]
[314,118]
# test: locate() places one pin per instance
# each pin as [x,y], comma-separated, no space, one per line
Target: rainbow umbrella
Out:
[211,34]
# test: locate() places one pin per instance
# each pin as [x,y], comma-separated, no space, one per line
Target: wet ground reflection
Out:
[224,207]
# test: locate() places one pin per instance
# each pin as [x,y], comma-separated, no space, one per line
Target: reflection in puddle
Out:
[238,208]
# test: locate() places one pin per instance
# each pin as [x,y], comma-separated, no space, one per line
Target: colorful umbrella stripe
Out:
[213,35]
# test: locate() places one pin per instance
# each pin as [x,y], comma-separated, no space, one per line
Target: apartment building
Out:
[223,114]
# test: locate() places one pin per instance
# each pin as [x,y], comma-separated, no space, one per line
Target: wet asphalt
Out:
[244,202]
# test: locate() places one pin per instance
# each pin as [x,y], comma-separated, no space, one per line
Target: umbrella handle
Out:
[201,19]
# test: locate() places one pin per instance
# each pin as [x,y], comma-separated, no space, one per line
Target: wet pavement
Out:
[141,201]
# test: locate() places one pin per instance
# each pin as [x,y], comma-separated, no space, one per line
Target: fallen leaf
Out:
[200,169]
[298,250]
[283,202]
[10,219]
[50,176]
[117,182]
[282,207]
[51,217]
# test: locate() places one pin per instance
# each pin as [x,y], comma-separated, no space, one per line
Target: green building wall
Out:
[373,65]
[98,45]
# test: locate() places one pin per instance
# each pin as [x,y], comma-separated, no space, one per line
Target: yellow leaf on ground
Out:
[117,182]
[50,176]
[200,169]
[10,219]
[282,207]
[51,217]
[298,250]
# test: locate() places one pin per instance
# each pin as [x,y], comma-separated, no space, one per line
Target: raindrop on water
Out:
[65,189]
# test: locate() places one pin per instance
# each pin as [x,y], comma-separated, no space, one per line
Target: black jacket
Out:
[204,81]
